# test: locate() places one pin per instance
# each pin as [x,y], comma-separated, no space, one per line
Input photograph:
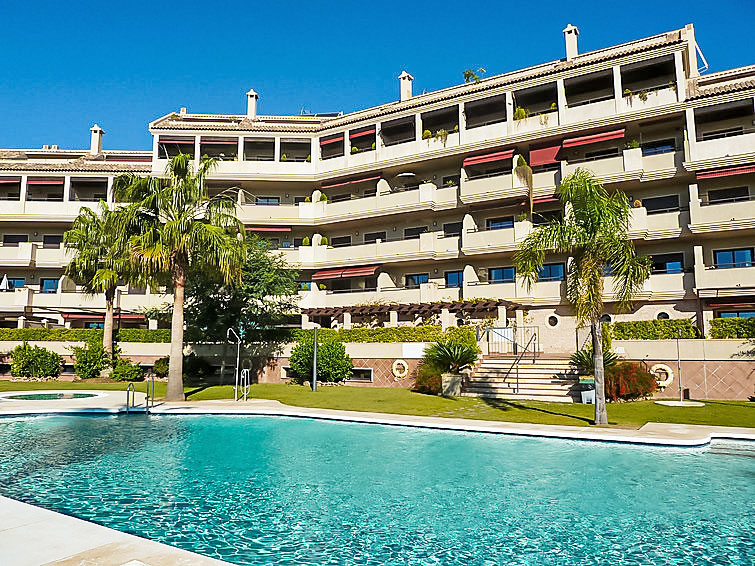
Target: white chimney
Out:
[570,36]
[251,104]
[95,146]
[405,82]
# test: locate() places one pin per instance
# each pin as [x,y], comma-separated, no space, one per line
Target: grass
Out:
[404,402]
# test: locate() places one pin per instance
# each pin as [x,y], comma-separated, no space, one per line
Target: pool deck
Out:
[73,542]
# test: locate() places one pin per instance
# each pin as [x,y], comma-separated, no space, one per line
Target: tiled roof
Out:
[80,164]
[287,123]
[733,80]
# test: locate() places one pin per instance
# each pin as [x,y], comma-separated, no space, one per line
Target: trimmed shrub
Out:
[462,335]
[124,370]
[732,328]
[333,363]
[427,379]
[654,329]
[90,360]
[160,367]
[143,335]
[82,335]
[34,361]
[426,333]
[629,381]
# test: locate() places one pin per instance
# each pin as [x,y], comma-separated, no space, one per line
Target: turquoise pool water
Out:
[49,396]
[263,490]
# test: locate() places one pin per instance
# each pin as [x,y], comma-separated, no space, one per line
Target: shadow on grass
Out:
[504,405]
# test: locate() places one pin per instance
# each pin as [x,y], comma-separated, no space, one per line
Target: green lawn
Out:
[401,401]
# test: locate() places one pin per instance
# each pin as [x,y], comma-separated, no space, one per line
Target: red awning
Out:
[32,181]
[216,141]
[497,156]
[345,272]
[268,228]
[594,138]
[544,155]
[175,140]
[331,140]
[13,180]
[726,171]
[95,316]
[351,182]
[362,133]
[550,198]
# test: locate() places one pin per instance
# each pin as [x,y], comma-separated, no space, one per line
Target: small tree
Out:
[450,356]
[33,361]
[333,363]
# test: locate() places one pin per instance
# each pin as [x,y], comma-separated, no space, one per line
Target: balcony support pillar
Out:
[417,127]
[197,150]
[21,322]
[681,80]
[561,94]
[690,148]
[240,149]
[699,265]
[392,319]
[24,188]
[694,203]
[152,323]
[509,112]
[110,196]
[502,319]
[462,123]
[67,188]
[346,320]
[617,90]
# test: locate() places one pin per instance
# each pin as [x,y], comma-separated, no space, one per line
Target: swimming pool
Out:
[272,490]
[46,396]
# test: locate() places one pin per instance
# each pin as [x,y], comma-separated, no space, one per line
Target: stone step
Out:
[521,397]
[522,382]
[511,388]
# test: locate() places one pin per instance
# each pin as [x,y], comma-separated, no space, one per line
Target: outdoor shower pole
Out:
[238,356]
[679,365]
[314,363]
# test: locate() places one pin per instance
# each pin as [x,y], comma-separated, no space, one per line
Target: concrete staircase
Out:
[545,379]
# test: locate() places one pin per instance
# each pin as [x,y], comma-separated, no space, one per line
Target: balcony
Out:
[480,241]
[426,293]
[724,134]
[536,122]
[731,144]
[638,99]
[491,186]
[706,216]
[626,165]
[725,282]
[53,256]
[543,293]
[21,255]
[646,226]
[281,214]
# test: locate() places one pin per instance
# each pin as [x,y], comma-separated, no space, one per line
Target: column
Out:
[392,319]
[152,324]
[694,203]
[110,198]
[617,90]
[509,112]
[304,320]
[690,146]
[699,266]
[418,126]
[21,322]
[561,93]
[681,79]
[277,149]
[377,142]
[197,150]
[462,123]
[346,143]
[67,188]
[347,320]
[24,188]
[240,149]
[501,319]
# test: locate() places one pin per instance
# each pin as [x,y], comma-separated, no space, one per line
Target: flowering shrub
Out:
[629,381]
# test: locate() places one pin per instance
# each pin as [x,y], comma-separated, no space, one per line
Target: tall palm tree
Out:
[593,232]
[101,261]
[180,227]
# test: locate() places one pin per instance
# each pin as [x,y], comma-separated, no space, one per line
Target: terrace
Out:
[535,108]
[724,130]
[259,149]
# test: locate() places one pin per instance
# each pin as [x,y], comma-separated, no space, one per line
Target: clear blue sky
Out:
[67,65]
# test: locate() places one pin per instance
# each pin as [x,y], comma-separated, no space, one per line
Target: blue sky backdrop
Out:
[67,65]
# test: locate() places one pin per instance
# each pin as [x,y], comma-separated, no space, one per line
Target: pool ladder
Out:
[130,397]
[149,399]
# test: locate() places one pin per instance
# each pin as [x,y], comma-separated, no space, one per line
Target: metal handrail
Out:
[519,358]
[130,393]
[245,382]
[150,392]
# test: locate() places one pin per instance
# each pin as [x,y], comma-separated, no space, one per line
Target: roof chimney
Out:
[405,81]
[95,146]
[251,104]
[570,36]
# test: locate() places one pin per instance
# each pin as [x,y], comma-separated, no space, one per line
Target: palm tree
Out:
[594,234]
[101,262]
[180,227]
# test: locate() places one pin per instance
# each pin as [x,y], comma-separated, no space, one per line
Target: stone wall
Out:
[382,372]
[710,379]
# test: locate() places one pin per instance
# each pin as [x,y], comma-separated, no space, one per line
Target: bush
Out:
[90,360]
[323,197]
[629,381]
[34,361]
[451,356]
[427,379]
[194,366]
[583,361]
[653,329]
[160,367]
[124,370]
[425,333]
[143,335]
[333,363]
[732,328]
[82,335]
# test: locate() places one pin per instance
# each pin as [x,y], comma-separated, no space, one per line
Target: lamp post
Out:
[238,356]
[679,366]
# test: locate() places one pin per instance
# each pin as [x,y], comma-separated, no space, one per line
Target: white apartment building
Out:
[417,202]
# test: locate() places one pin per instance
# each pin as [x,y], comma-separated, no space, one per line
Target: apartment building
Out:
[412,210]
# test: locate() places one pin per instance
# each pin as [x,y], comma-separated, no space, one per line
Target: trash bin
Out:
[588,396]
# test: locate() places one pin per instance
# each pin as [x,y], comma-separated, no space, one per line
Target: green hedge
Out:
[397,334]
[654,329]
[732,328]
[82,334]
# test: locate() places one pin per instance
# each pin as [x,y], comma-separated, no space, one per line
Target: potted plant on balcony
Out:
[454,357]
[442,135]
[427,134]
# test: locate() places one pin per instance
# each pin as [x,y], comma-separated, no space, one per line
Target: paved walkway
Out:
[73,542]
[31,536]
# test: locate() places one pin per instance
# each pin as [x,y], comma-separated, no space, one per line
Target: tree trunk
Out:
[107,331]
[601,417]
[175,390]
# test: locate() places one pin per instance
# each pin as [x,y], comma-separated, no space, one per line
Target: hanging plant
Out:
[643,95]
[427,134]
[442,135]
[524,173]
[672,85]
[628,96]
[521,113]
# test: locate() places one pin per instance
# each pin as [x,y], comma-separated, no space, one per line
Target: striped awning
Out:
[726,171]
[350,182]
[326,141]
[544,155]
[359,134]
[342,273]
[594,138]
[489,157]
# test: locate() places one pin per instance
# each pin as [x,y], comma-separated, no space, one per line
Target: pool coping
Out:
[653,434]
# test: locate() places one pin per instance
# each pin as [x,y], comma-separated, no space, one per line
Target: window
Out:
[659,146]
[737,314]
[667,263]
[273,243]
[52,240]
[734,194]
[413,233]
[98,325]
[372,237]
[601,153]
[452,229]
[551,272]
[724,259]
[340,198]
[298,200]
[268,201]
[16,282]
[415,280]
[48,285]
[297,242]
[499,223]
[659,205]
[607,270]
[553,321]
[546,216]
[501,275]
[361,374]
[14,239]
[454,278]
[451,180]
[662,316]
[340,241]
